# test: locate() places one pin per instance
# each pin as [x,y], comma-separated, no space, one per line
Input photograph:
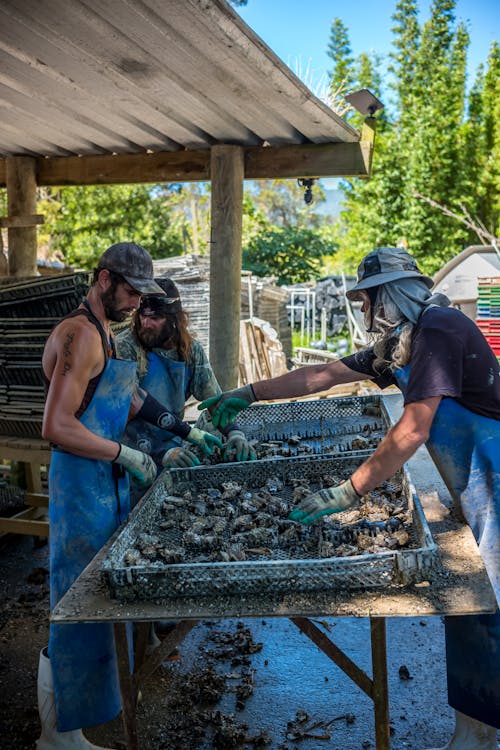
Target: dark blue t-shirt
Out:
[449,357]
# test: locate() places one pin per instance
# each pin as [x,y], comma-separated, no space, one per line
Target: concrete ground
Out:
[289,675]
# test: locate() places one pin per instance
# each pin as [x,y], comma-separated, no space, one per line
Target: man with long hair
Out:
[172,366]
[450,380]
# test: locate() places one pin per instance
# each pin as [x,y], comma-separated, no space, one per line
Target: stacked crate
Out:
[28,312]
[488,311]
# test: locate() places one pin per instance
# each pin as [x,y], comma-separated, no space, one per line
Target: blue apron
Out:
[89,499]
[166,380]
[466,450]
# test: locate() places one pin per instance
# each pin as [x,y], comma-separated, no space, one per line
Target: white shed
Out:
[458,278]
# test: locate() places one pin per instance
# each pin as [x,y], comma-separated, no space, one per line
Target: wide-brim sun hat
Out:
[385,264]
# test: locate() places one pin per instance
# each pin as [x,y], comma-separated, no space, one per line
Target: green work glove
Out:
[238,444]
[228,405]
[138,464]
[203,440]
[324,502]
[179,458]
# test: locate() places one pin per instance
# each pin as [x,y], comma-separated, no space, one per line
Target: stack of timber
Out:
[488,311]
[28,312]
[191,275]
[261,353]
[262,298]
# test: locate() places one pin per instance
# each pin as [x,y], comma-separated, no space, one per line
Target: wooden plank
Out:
[245,358]
[22,221]
[36,499]
[24,454]
[22,523]
[307,160]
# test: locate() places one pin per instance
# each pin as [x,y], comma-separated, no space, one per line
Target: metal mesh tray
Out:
[329,425]
[159,580]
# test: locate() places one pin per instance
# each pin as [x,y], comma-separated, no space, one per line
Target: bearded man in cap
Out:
[91,395]
[172,366]
[450,380]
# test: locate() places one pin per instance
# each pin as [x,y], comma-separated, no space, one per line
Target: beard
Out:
[151,339]
[111,310]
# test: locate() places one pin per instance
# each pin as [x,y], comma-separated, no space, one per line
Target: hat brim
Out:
[144,286]
[384,278]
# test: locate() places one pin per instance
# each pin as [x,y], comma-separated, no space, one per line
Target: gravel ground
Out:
[249,684]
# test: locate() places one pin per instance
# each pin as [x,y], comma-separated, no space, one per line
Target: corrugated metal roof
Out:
[82,77]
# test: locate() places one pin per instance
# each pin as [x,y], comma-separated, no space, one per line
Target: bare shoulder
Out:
[75,342]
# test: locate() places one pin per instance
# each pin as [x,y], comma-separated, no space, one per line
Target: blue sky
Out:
[298,30]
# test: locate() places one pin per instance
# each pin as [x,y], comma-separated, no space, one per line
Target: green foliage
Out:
[291,254]
[84,221]
[431,145]
[339,52]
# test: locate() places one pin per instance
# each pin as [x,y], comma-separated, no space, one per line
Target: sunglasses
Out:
[152,305]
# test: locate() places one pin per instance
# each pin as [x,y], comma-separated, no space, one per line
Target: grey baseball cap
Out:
[134,263]
[383,265]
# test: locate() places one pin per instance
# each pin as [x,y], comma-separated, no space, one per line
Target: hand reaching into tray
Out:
[324,502]
[225,407]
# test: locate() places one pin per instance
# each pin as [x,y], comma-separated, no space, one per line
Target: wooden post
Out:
[21,201]
[226,173]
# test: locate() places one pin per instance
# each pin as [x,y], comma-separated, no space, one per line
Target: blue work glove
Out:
[228,405]
[324,502]
[203,440]
[238,445]
[138,464]
[179,458]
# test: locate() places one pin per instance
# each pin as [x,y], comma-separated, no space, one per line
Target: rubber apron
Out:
[167,381]
[89,499]
[466,450]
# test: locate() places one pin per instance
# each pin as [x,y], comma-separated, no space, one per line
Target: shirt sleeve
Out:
[436,365]
[362,361]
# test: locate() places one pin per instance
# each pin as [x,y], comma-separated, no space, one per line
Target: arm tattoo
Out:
[67,353]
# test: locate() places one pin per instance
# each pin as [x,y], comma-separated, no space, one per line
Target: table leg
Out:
[375,688]
[128,687]
[380,693]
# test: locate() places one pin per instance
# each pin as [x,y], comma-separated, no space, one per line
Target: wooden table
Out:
[461,587]
[32,453]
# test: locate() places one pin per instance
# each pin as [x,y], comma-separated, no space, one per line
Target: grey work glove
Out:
[179,458]
[238,445]
[138,464]
[203,440]
[228,405]
[324,502]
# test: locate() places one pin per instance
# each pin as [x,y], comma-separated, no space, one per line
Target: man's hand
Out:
[228,405]
[138,464]
[179,458]
[324,502]
[203,440]
[238,445]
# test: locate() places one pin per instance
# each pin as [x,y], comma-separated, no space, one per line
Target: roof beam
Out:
[261,162]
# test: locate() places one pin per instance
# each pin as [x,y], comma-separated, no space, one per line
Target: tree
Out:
[292,255]
[339,52]
[429,144]
[89,219]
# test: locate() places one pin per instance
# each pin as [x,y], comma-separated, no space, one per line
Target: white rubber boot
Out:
[51,739]
[470,734]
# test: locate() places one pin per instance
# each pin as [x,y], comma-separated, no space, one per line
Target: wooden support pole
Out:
[380,685]
[21,201]
[227,174]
